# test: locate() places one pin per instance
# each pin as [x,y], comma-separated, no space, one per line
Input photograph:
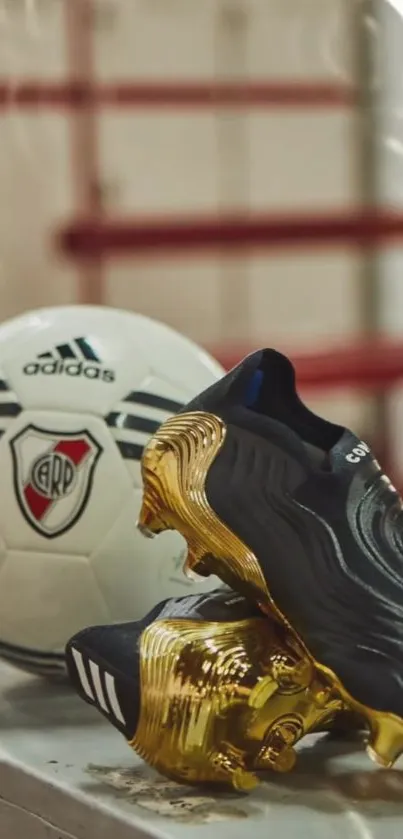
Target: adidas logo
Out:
[77,359]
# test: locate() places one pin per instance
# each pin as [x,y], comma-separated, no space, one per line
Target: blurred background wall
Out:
[161,160]
[163,111]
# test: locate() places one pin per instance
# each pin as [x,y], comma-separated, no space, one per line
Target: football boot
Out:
[295,513]
[205,688]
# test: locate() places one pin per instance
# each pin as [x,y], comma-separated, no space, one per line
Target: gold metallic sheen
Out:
[222,701]
[175,466]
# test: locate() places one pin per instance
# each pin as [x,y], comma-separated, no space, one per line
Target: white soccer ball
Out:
[81,390]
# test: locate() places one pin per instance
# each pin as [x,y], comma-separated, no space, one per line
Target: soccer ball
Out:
[81,390]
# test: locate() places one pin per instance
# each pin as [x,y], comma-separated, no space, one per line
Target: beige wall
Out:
[184,162]
[285,159]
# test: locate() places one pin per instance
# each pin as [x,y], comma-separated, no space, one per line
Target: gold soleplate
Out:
[175,465]
[222,701]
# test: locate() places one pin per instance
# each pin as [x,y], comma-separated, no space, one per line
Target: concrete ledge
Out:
[66,774]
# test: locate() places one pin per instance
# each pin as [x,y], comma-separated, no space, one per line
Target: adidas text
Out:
[358,453]
[69,368]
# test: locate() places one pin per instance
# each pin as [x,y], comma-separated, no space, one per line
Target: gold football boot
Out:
[204,689]
[294,513]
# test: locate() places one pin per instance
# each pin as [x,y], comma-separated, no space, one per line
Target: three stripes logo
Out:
[137,417]
[99,687]
[77,358]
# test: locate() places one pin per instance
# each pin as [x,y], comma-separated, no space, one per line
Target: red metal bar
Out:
[84,93]
[366,366]
[114,238]
[83,135]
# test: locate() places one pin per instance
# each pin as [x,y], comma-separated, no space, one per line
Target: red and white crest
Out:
[53,474]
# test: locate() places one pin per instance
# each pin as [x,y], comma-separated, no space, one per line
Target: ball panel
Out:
[46,598]
[134,573]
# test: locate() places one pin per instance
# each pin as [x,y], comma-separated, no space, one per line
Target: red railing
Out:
[111,237]
[161,94]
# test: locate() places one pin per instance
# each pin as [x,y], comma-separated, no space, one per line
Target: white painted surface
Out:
[66,773]
[389,85]
[160,162]
[390,154]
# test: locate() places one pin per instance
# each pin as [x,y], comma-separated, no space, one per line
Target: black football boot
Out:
[295,512]
[205,688]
